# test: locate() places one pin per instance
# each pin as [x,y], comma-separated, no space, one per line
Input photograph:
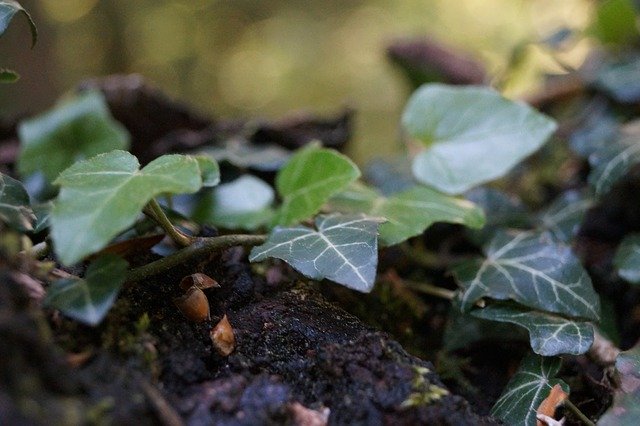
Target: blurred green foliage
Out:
[265,58]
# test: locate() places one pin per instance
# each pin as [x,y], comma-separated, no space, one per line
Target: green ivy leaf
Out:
[309,179]
[43,213]
[244,203]
[533,270]
[615,22]
[89,299]
[625,410]
[407,213]
[8,9]
[472,135]
[531,384]
[549,334]
[627,259]
[15,208]
[102,196]
[564,216]
[344,249]
[72,131]
[612,162]
[209,170]
[8,76]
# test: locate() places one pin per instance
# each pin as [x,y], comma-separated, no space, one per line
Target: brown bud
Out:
[193,304]
[199,280]
[224,342]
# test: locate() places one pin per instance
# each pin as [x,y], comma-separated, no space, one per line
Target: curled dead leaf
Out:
[194,304]
[199,280]
[222,337]
[548,407]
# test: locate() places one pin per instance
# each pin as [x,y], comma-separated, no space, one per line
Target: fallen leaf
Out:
[194,304]
[199,280]
[303,416]
[548,406]
[224,342]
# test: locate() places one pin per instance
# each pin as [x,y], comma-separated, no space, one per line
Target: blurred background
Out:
[264,59]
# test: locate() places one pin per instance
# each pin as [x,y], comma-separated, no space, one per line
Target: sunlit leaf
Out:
[611,163]
[244,203]
[408,213]
[15,207]
[309,179]
[549,334]
[627,259]
[533,270]
[565,214]
[8,9]
[72,131]
[472,135]
[342,248]
[241,153]
[102,196]
[209,170]
[526,390]
[8,76]
[89,299]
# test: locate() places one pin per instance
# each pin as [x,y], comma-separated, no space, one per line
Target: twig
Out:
[155,212]
[422,287]
[166,413]
[198,248]
[579,414]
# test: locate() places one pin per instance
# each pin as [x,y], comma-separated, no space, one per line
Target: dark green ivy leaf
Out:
[342,248]
[8,9]
[610,163]
[564,216]
[525,391]
[89,299]
[8,76]
[627,259]
[15,209]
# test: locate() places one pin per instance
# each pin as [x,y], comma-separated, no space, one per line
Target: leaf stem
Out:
[579,414]
[422,287]
[155,212]
[199,247]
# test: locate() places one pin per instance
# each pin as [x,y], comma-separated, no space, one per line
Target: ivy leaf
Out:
[344,249]
[407,213]
[564,216]
[533,270]
[309,179]
[244,203]
[209,170]
[472,135]
[612,162]
[243,154]
[102,196]
[526,390]
[72,131]
[615,22]
[549,334]
[627,259]
[89,299]
[15,208]
[8,76]
[620,79]
[43,213]
[625,410]
[8,9]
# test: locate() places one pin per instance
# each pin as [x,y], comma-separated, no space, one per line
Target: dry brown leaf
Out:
[200,280]
[303,416]
[130,247]
[194,304]
[222,337]
[548,406]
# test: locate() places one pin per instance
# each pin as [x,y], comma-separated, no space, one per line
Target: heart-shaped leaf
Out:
[549,334]
[244,203]
[564,216]
[472,135]
[8,76]
[8,9]
[612,162]
[72,131]
[309,179]
[344,249]
[526,390]
[15,208]
[627,259]
[533,270]
[89,299]
[102,196]
[407,213]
